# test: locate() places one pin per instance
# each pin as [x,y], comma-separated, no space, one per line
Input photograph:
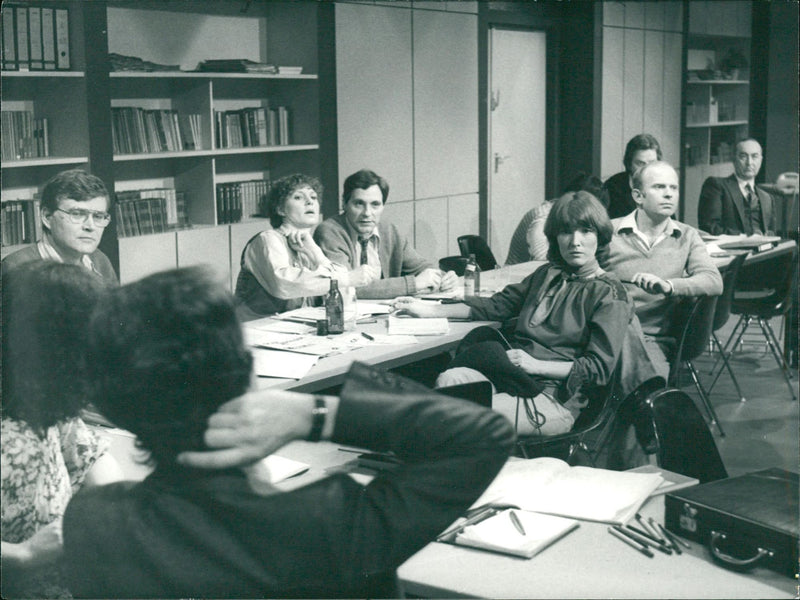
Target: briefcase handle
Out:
[718,536]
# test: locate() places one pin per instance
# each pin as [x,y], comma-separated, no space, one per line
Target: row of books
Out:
[137,130]
[23,135]
[20,222]
[35,38]
[250,127]
[240,199]
[141,212]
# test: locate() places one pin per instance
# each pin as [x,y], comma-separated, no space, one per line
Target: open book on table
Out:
[509,531]
[550,485]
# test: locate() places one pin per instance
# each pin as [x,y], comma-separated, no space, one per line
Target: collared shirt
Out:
[374,240]
[628,222]
[48,252]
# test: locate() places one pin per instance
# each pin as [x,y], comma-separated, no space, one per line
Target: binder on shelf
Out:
[35,37]
[23,55]
[62,39]
[9,40]
[48,39]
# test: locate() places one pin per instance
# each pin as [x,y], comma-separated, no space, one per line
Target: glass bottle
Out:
[334,308]
[472,277]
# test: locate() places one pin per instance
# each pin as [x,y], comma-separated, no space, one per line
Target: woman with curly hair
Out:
[282,267]
[48,452]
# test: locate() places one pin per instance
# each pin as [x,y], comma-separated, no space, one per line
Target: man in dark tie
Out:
[734,204]
[357,237]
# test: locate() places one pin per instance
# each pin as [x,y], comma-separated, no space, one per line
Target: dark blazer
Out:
[620,195]
[721,207]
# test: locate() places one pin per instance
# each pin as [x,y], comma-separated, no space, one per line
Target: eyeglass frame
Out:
[100,218]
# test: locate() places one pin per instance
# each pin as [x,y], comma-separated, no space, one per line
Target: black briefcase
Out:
[745,521]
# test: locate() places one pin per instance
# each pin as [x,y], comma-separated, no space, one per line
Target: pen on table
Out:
[649,529]
[652,525]
[676,541]
[517,523]
[476,518]
[368,336]
[635,545]
[643,540]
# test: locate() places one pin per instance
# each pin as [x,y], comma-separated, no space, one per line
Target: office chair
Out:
[457,264]
[763,291]
[691,329]
[721,316]
[475,244]
[787,184]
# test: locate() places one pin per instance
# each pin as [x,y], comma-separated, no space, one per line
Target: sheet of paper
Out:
[322,345]
[366,309]
[257,337]
[274,469]
[277,363]
[277,326]
[311,314]
[417,326]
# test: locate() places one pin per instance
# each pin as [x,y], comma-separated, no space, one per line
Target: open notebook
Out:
[532,532]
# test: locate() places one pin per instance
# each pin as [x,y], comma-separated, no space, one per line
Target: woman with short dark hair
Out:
[572,320]
[282,268]
[47,452]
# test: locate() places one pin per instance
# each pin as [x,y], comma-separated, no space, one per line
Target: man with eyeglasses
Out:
[74,214]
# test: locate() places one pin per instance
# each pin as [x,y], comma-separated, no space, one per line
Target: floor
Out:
[763,431]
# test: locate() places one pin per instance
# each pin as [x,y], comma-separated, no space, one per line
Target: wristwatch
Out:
[318,414]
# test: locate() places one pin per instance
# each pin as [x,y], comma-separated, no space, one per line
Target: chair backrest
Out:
[692,326]
[457,264]
[475,244]
[729,275]
[774,276]
[685,443]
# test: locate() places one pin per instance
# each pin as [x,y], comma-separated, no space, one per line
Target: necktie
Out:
[751,209]
[364,244]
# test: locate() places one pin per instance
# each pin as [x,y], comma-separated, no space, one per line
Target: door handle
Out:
[499,160]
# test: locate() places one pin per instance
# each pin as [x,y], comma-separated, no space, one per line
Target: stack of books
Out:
[238,200]
[20,222]
[137,130]
[24,136]
[141,212]
[251,127]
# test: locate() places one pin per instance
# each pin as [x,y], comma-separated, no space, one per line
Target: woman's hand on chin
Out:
[300,239]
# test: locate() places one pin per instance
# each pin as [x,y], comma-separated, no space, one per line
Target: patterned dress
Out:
[38,477]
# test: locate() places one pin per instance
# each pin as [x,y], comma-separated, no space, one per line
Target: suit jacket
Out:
[721,207]
[399,261]
[620,195]
[183,534]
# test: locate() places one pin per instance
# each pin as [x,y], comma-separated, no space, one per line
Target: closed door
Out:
[517,76]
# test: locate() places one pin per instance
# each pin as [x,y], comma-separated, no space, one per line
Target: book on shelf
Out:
[290,70]
[20,222]
[35,37]
[63,59]
[236,65]
[48,39]
[508,531]
[145,211]
[252,127]
[136,130]
[551,486]
[9,33]
[239,200]
[24,136]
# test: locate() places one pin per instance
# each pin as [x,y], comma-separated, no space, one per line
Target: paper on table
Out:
[417,326]
[312,314]
[277,326]
[393,340]
[277,363]
[499,534]
[258,337]
[366,309]
[274,469]
[321,345]
[550,485]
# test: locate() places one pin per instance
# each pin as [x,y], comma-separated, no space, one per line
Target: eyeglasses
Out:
[77,216]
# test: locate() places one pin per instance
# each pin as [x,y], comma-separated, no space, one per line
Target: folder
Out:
[35,37]
[9,40]
[62,39]
[48,39]
[23,56]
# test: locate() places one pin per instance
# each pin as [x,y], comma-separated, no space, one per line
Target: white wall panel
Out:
[430,228]
[612,145]
[653,85]
[462,219]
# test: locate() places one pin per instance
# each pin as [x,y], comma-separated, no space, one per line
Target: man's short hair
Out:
[165,352]
[46,308]
[638,175]
[75,184]
[572,211]
[282,188]
[361,180]
[643,141]
[746,139]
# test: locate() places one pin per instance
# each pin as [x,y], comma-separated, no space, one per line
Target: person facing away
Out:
[662,258]
[734,204]
[358,237]
[48,452]
[74,214]
[283,268]
[572,322]
[168,361]
[640,150]
[529,241]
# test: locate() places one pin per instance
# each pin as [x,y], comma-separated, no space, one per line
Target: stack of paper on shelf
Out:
[550,485]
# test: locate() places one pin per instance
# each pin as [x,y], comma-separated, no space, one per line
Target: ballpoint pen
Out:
[648,527]
[674,539]
[635,545]
[517,523]
[476,518]
[368,336]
